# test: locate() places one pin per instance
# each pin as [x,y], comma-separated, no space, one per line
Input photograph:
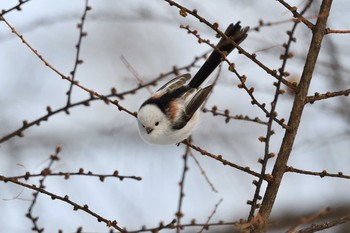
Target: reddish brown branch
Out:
[295,116]
[325,225]
[226,113]
[242,78]
[54,157]
[26,125]
[317,96]
[294,11]
[78,60]
[91,92]
[16,7]
[184,11]
[309,219]
[206,226]
[224,161]
[179,214]
[65,199]
[321,174]
[203,173]
[67,175]
[337,31]
[269,131]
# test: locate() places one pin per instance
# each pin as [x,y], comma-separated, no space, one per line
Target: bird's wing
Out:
[173,84]
[197,100]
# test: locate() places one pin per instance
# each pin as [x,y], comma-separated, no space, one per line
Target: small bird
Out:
[171,113]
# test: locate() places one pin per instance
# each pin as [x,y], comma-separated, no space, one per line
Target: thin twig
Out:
[317,96]
[242,79]
[86,102]
[135,73]
[179,213]
[193,224]
[226,113]
[294,11]
[321,174]
[203,172]
[336,31]
[91,92]
[295,116]
[269,132]
[184,11]
[325,225]
[309,219]
[206,226]
[78,60]
[48,173]
[65,199]
[16,7]
[225,162]
[29,213]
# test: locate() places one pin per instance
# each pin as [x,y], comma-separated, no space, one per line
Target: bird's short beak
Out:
[149,130]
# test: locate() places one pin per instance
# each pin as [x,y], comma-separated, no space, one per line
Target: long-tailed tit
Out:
[171,113]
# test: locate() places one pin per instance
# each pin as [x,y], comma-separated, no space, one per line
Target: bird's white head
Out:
[153,123]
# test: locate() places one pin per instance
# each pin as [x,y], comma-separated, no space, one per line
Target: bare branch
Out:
[321,174]
[309,219]
[91,92]
[325,225]
[78,60]
[295,116]
[225,162]
[184,11]
[337,31]
[226,113]
[294,11]
[65,199]
[179,214]
[206,227]
[317,96]
[16,7]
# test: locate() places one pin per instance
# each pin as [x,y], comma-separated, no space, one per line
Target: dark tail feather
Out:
[238,35]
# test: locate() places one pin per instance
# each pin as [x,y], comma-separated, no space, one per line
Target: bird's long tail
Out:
[237,34]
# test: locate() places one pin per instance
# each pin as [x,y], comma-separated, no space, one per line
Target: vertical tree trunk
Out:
[295,116]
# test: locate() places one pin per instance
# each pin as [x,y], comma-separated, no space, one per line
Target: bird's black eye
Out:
[157,123]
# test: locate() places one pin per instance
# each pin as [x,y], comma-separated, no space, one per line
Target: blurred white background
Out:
[102,139]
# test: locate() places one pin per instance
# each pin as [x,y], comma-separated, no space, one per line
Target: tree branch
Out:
[295,116]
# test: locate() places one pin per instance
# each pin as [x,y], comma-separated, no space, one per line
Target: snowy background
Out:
[102,139]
